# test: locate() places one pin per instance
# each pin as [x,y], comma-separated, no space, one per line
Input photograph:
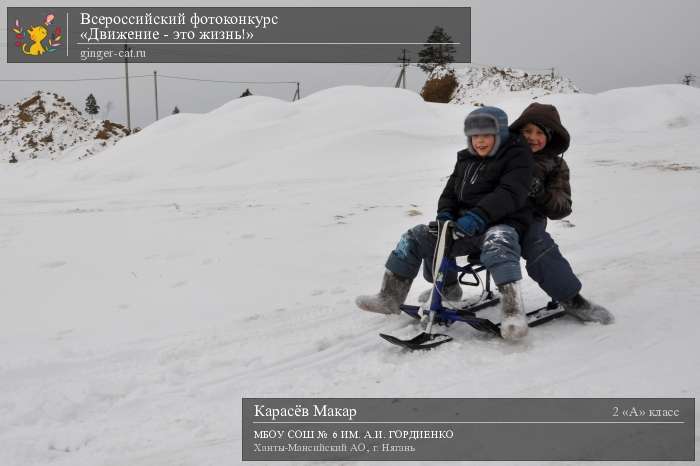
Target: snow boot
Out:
[391,295]
[514,322]
[584,310]
[450,293]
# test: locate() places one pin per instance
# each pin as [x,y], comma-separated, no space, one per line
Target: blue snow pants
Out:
[499,246]
[546,265]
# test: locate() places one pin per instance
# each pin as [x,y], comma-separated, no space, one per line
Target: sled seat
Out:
[474,258]
[473,267]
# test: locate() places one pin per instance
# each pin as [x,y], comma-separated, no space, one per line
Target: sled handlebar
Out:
[433,227]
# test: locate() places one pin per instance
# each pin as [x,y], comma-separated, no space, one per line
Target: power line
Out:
[185,78]
[297,94]
[223,81]
[70,80]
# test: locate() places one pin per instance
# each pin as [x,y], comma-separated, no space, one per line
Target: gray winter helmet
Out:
[486,120]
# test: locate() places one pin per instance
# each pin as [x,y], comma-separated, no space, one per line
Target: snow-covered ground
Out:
[211,257]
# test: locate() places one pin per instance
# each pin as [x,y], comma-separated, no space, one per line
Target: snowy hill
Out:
[478,84]
[46,125]
[215,256]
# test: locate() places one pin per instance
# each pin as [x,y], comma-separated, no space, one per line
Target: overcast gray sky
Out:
[599,44]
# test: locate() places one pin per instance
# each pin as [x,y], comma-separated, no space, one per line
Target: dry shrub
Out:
[439,90]
[110,128]
[29,102]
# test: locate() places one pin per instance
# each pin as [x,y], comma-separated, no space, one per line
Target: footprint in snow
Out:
[323,345]
[54,264]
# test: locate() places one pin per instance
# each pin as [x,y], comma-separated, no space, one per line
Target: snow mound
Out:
[478,83]
[340,123]
[48,126]
[341,120]
[665,107]
[661,107]
[345,130]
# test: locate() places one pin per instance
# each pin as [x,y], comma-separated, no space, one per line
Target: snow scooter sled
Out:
[440,314]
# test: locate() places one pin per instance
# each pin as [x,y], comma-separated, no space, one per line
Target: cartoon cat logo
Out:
[35,37]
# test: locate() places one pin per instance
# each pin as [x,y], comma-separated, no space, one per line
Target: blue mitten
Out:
[472,224]
[444,216]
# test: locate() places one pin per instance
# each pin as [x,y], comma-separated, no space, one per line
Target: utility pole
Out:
[552,72]
[402,74]
[297,94]
[155,87]
[126,79]
[688,79]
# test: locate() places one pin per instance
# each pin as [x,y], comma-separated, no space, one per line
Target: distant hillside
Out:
[476,83]
[46,125]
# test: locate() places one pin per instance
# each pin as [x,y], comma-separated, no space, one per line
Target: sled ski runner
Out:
[446,313]
[426,340]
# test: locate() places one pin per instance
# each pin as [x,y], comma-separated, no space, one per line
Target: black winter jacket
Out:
[495,187]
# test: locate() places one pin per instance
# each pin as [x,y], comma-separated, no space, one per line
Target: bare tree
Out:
[688,79]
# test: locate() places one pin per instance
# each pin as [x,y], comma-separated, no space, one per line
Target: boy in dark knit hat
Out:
[486,196]
[550,197]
